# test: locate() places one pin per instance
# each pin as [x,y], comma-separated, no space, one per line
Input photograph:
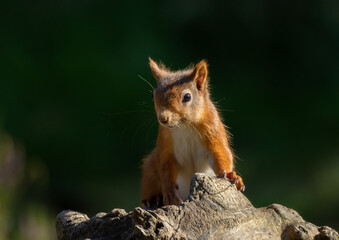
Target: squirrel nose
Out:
[164,119]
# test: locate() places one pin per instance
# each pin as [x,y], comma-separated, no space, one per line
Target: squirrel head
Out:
[180,96]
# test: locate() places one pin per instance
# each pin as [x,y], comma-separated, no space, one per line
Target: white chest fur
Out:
[191,157]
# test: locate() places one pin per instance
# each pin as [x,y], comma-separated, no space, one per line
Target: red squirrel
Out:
[191,137]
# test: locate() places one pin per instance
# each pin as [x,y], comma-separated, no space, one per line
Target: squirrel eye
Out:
[187,97]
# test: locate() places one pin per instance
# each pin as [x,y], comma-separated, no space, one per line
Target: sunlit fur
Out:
[191,137]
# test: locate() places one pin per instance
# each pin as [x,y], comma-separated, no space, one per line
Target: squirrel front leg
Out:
[223,166]
[168,173]
[223,161]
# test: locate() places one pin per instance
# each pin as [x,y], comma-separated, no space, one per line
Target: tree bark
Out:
[215,209]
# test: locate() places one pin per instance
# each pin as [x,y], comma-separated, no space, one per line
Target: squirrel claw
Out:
[146,203]
[234,178]
[154,202]
[223,174]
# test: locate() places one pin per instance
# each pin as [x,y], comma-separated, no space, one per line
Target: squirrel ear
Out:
[157,72]
[200,75]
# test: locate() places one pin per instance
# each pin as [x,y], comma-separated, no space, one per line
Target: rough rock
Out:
[214,210]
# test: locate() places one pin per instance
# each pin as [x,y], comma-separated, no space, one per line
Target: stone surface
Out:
[214,210]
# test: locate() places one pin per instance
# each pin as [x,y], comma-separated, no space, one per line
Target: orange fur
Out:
[190,134]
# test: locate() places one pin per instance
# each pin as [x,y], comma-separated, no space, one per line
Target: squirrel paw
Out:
[235,179]
[154,202]
[171,197]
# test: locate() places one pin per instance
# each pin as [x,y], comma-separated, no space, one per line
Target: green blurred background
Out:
[76,120]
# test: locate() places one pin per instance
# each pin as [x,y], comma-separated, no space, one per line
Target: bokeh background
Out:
[76,120]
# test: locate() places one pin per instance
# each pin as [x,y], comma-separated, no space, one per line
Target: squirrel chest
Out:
[191,156]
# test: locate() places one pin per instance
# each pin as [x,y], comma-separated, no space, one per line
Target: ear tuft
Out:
[156,70]
[200,75]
